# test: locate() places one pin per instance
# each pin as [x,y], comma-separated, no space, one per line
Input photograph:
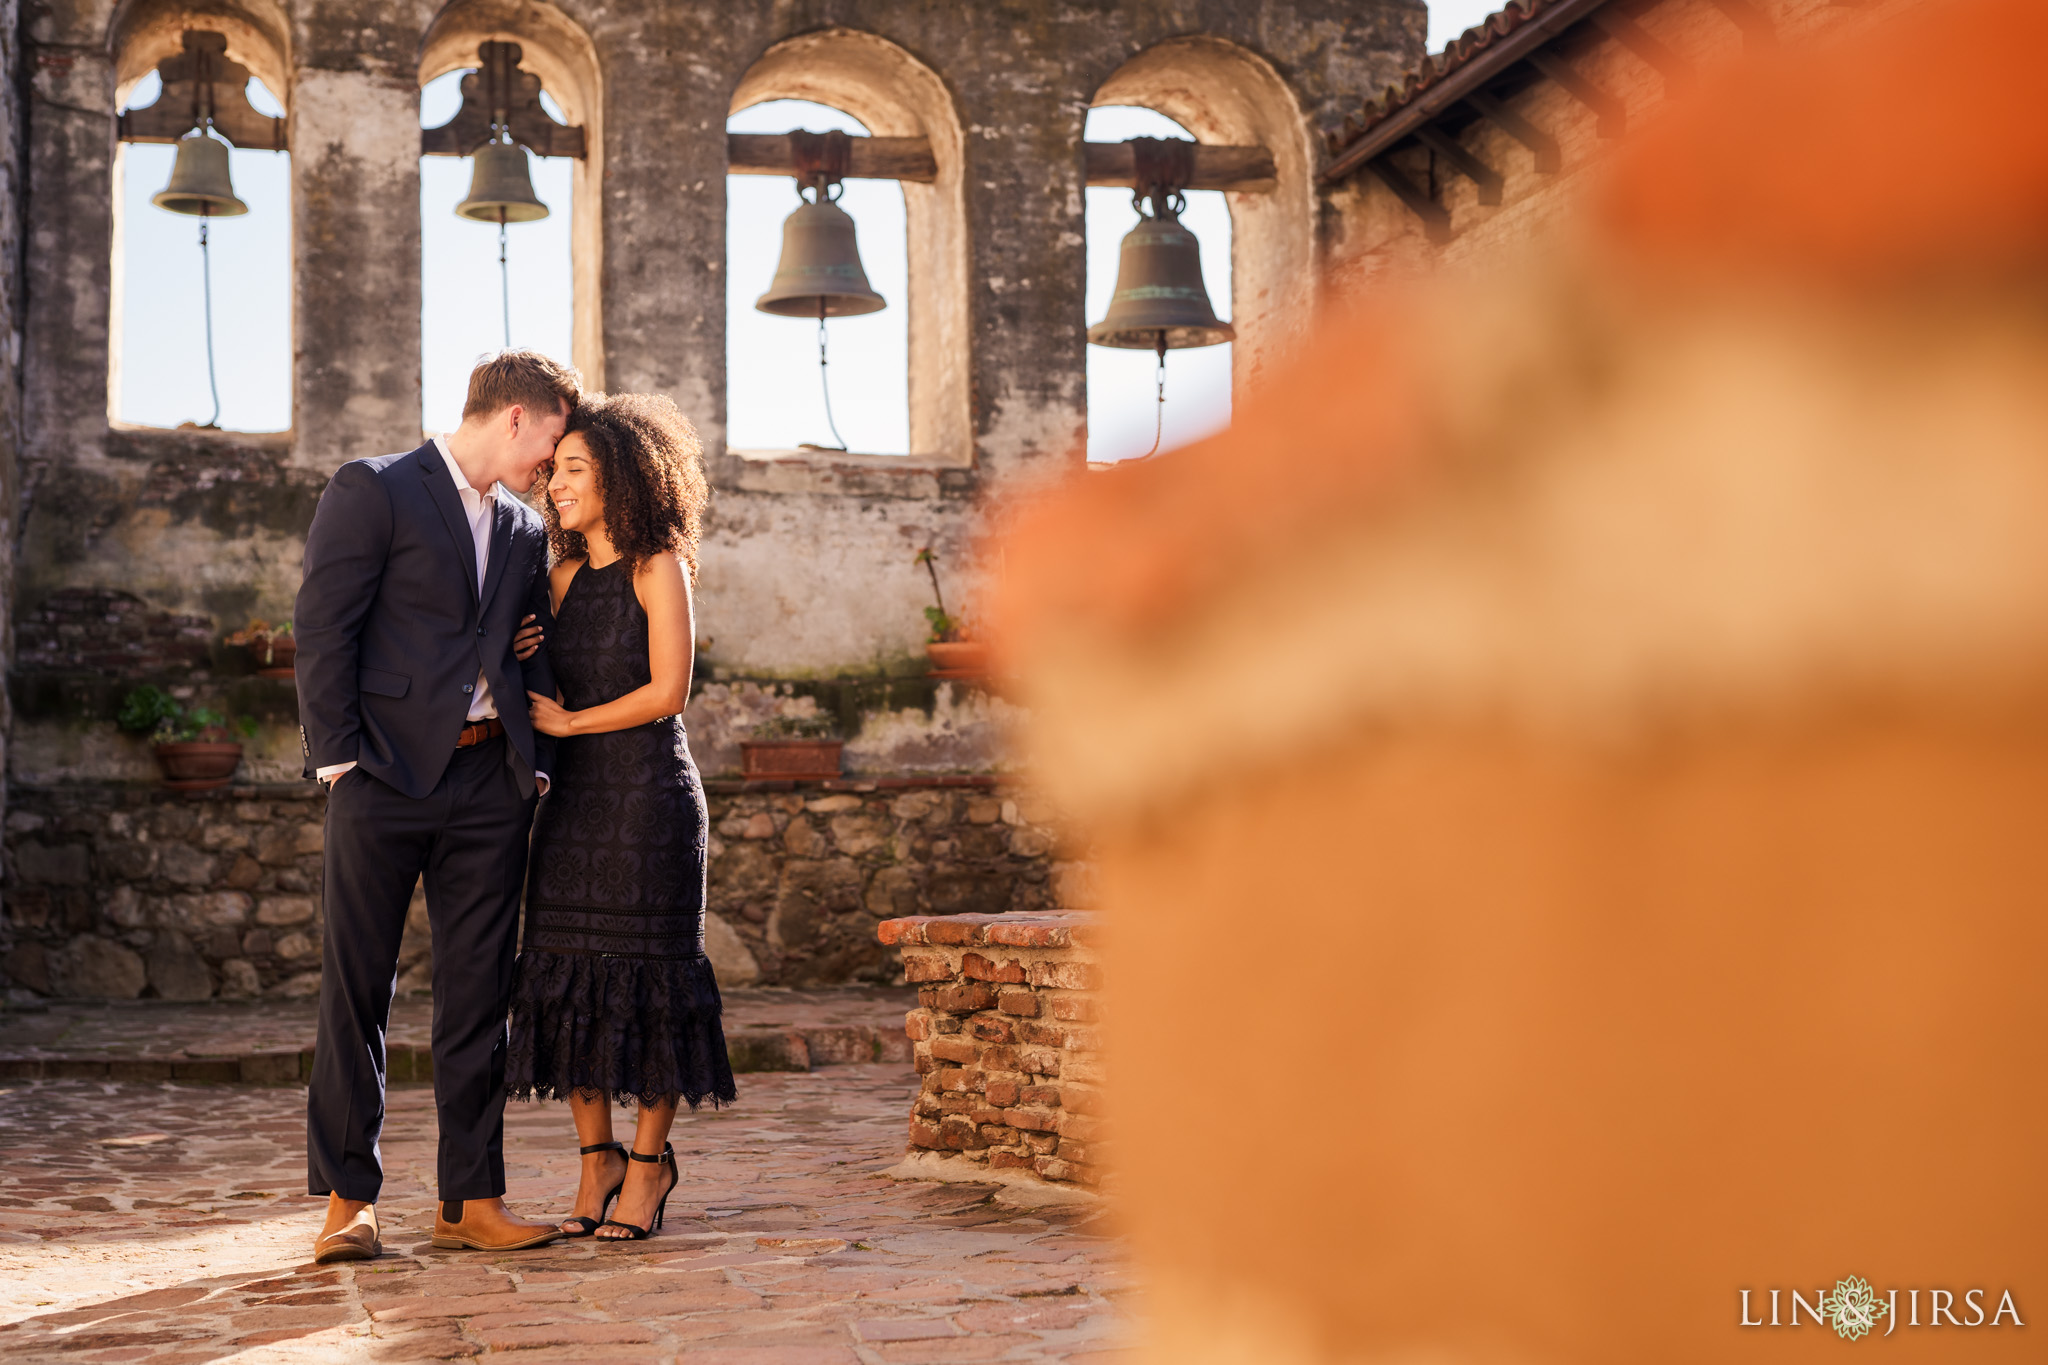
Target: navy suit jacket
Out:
[392,631]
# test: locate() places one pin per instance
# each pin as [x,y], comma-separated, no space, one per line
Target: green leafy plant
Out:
[945,627]
[147,710]
[154,712]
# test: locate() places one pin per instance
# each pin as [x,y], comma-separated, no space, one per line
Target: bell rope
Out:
[206,289]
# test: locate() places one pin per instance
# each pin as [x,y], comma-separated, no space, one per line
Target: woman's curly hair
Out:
[650,474]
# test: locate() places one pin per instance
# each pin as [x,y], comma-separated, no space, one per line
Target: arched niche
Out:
[554,47]
[144,32]
[141,34]
[896,95]
[1224,94]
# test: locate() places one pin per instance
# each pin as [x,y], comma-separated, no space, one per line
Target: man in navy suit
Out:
[412,708]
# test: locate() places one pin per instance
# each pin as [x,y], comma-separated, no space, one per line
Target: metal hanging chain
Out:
[206,288]
[824,382]
[504,280]
[1159,425]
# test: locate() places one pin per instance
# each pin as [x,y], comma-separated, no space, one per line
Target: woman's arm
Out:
[664,592]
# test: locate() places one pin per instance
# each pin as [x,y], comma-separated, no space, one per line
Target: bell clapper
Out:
[1160,302]
[501,192]
[820,270]
[200,188]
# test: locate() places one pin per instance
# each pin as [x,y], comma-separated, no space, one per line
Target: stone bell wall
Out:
[120,891]
[1004,1039]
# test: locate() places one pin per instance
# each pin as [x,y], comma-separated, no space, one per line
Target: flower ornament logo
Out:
[1853,1309]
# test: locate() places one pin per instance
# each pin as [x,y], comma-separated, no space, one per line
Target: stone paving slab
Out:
[162,1223]
[270,1042]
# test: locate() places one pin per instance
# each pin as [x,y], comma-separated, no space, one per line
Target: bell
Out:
[1159,290]
[500,190]
[819,274]
[199,181]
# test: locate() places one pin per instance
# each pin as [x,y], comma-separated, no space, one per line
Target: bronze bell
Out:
[820,273]
[500,189]
[199,181]
[1159,291]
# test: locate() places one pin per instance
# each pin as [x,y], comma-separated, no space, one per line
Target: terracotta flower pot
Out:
[802,760]
[958,658]
[195,765]
[273,655]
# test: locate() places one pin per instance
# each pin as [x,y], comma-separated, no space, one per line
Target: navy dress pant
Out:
[468,839]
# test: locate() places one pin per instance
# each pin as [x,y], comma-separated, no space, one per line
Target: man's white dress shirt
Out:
[477,510]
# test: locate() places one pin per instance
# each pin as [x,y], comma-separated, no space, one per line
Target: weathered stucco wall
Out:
[11,255]
[137,550]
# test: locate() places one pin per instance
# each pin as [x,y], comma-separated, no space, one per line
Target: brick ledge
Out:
[731,786]
[1033,929]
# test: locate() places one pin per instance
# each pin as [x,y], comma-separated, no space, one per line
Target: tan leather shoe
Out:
[350,1234]
[486,1225]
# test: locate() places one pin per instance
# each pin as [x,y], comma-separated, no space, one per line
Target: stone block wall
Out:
[800,876]
[116,892]
[1004,1038]
[128,890]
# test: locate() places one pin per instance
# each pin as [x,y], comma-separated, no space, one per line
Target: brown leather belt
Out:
[479,732]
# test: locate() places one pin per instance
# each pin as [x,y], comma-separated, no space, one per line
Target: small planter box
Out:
[273,655]
[198,765]
[800,760]
[957,659]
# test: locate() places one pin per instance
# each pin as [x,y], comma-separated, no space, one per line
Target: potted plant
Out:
[195,749]
[271,648]
[951,653]
[792,748]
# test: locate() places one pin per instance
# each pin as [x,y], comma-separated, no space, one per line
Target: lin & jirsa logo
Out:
[1854,1309]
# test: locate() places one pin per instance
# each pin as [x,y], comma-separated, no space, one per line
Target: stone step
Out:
[271,1042]
[749,1050]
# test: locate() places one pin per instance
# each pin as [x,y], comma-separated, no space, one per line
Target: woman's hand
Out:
[548,716]
[528,641]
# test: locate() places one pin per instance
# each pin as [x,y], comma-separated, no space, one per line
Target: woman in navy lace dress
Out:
[612,997]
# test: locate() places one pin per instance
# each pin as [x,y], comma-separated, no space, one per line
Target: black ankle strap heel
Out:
[675,1178]
[591,1225]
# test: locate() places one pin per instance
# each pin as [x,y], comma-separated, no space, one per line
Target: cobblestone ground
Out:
[162,1223]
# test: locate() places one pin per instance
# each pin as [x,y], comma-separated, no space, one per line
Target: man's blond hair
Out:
[538,383]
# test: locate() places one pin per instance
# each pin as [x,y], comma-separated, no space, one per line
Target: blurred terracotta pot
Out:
[196,765]
[273,655]
[958,658]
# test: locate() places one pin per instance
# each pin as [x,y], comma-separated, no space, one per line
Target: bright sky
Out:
[162,331]
[773,397]
[462,316]
[1123,410]
[1449,18]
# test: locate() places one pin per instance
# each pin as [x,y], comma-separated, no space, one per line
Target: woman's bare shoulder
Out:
[660,578]
[559,576]
[660,565]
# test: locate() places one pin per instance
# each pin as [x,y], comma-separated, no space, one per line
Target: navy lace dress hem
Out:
[639,1029]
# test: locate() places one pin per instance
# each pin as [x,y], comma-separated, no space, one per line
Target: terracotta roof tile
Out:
[1469,46]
